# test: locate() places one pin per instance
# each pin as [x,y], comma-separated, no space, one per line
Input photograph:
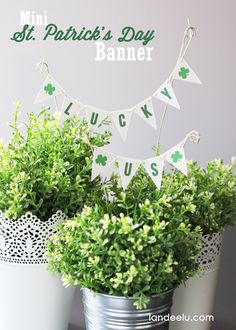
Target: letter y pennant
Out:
[166,94]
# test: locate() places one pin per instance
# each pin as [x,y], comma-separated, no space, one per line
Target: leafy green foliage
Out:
[212,190]
[48,167]
[209,194]
[139,256]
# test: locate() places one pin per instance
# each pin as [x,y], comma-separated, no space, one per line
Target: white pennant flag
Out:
[166,94]
[122,121]
[70,107]
[176,157]
[127,169]
[154,167]
[184,72]
[145,111]
[101,160]
[49,89]
[95,116]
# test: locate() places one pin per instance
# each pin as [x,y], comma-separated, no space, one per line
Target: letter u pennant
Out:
[127,169]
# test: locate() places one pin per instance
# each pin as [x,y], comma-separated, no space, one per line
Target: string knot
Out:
[190,32]
[43,67]
[194,136]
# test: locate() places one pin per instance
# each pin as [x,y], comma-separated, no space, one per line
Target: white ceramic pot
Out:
[196,297]
[30,297]
[33,299]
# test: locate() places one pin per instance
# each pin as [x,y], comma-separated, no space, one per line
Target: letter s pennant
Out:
[154,167]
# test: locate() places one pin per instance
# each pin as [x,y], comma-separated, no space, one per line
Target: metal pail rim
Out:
[129,298]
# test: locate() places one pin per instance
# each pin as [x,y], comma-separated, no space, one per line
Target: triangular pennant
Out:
[95,116]
[176,157]
[122,121]
[70,107]
[154,167]
[145,111]
[101,160]
[184,72]
[49,89]
[127,169]
[166,94]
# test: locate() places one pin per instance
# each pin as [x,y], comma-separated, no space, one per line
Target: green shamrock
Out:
[176,156]
[50,89]
[184,72]
[101,160]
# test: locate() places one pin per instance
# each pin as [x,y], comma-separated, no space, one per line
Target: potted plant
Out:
[128,256]
[45,174]
[213,192]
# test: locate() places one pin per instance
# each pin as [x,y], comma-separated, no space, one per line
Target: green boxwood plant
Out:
[147,250]
[46,166]
[212,191]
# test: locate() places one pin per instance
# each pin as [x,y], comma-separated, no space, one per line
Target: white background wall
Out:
[209,108]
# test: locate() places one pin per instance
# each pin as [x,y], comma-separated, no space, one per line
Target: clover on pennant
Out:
[184,72]
[49,89]
[176,156]
[101,160]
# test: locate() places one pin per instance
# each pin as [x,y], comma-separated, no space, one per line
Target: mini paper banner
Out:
[95,116]
[154,167]
[185,72]
[166,94]
[70,106]
[122,120]
[127,169]
[101,160]
[145,111]
[176,157]
[49,89]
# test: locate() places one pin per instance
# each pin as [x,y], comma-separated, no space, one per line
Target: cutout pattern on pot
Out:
[208,257]
[22,241]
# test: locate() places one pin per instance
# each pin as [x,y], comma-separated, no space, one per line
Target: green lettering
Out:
[94,118]
[154,169]
[128,34]
[145,111]
[128,169]
[25,34]
[166,93]
[51,30]
[68,108]
[122,121]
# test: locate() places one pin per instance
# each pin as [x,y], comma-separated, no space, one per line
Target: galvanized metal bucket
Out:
[105,312]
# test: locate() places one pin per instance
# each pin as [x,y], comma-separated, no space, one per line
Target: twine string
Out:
[43,68]
[187,38]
